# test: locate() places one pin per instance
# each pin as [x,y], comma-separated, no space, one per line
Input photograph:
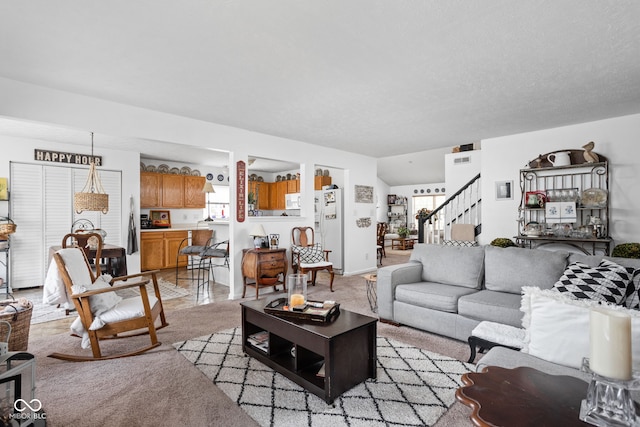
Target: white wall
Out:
[39,104]
[616,138]
[457,174]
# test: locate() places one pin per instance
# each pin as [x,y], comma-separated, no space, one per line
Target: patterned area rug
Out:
[414,387]
[46,313]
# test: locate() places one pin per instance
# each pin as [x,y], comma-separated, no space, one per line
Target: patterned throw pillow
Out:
[463,243]
[607,282]
[632,297]
[308,254]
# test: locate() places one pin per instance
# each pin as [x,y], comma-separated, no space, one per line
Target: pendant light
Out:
[92,197]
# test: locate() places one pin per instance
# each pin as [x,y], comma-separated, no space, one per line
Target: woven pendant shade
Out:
[92,197]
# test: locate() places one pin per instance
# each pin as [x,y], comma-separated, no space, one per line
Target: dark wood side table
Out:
[346,347]
[262,268]
[522,397]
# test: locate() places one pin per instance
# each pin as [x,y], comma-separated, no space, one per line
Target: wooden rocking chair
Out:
[136,314]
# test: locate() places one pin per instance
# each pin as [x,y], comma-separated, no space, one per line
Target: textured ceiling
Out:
[382,78]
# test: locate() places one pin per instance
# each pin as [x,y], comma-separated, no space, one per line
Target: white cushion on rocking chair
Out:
[128,308]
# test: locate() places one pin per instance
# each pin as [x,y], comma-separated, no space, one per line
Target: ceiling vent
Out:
[461,160]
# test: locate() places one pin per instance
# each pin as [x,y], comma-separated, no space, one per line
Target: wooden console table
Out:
[262,268]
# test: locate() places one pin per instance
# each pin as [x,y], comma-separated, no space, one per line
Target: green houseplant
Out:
[502,242]
[627,250]
[403,231]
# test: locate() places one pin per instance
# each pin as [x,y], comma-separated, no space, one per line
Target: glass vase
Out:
[297,289]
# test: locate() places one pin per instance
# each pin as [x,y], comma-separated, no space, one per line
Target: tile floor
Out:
[216,292]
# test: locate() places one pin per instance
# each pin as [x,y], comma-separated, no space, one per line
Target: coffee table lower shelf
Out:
[298,349]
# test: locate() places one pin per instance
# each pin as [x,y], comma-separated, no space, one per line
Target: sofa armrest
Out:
[390,277]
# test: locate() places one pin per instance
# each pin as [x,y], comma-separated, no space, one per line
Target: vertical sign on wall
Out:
[241,172]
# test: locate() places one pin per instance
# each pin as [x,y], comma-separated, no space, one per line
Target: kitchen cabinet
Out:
[159,249]
[293,186]
[172,240]
[320,181]
[578,193]
[194,197]
[151,251]
[172,191]
[150,187]
[277,196]
[262,191]
[159,190]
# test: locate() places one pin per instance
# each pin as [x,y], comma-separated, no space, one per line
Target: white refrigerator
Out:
[329,225]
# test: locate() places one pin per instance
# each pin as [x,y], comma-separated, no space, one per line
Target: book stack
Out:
[259,340]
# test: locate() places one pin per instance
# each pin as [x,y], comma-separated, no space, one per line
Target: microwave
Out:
[292,201]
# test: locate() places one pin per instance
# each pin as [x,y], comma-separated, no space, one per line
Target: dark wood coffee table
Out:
[345,346]
[522,397]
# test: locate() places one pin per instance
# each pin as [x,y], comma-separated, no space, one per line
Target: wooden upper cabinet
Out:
[293,186]
[150,190]
[193,195]
[278,196]
[320,181]
[172,191]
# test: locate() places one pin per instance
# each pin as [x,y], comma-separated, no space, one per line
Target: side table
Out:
[522,397]
[372,281]
[264,267]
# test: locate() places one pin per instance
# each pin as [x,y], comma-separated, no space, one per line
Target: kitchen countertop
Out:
[185,227]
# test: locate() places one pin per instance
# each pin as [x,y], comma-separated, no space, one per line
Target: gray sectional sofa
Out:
[449,290]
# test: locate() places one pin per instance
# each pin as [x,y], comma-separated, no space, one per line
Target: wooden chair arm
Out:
[131,276]
[111,289]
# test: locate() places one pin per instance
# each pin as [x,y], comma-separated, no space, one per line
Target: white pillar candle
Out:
[610,343]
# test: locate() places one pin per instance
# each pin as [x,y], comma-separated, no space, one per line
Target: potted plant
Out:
[502,242]
[627,250]
[251,200]
[403,231]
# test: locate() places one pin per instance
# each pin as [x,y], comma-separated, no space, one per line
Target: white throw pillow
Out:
[101,302]
[557,326]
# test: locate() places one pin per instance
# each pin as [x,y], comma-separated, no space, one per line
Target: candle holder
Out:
[608,401]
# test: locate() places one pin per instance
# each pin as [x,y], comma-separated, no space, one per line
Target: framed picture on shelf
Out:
[535,199]
[391,199]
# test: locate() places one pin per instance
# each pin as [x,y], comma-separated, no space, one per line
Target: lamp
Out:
[208,188]
[92,197]
[258,233]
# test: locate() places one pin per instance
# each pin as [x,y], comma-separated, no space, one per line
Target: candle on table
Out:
[610,343]
[296,299]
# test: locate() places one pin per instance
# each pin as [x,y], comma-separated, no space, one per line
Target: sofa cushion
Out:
[451,265]
[509,269]
[500,307]
[435,296]
[606,282]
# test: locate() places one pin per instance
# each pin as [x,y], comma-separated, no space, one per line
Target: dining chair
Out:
[308,256]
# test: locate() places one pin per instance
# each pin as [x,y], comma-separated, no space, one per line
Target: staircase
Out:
[463,207]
